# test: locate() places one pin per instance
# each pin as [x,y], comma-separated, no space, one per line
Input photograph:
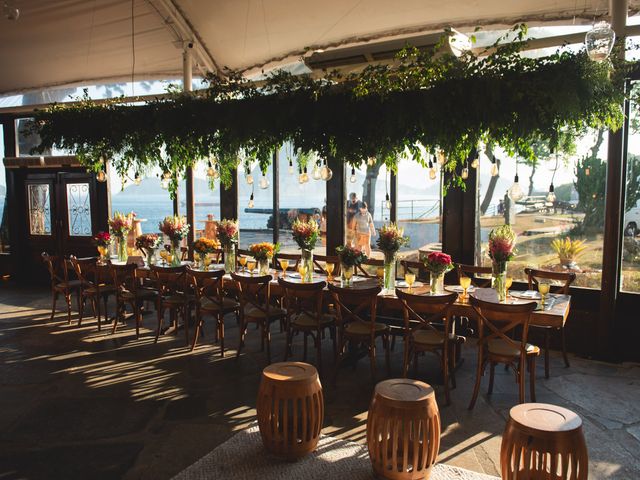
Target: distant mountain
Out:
[151,186]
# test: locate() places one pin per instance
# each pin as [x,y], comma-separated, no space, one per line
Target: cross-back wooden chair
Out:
[210,300]
[472,271]
[129,291]
[61,284]
[254,293]
[217,256]
[416,267]
[356,320]
[171,284]
[304,303]
[373,263]
[294,261]
[497,324]
[567,278]
[320,261]
[95,285]
[428,328]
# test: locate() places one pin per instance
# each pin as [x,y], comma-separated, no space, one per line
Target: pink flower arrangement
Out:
[502,244]
[438,263]
[350,256]
[391,238]
[147,242]
[305,234]
[174,227]
[228,232]
[120,224]
[102,239]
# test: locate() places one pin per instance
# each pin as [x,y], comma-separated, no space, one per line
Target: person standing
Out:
[353,205]
[364,228]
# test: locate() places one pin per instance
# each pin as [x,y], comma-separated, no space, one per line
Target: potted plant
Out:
[350,257]
[175,228]
[306,235]
[390,240]
[568,251]
[203,247]
[228,238]
[263,252]
[502,242]
[119,225]
[437,263]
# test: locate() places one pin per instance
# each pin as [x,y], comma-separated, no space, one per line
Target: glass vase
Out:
[499,280]
[436,283]
[202,261]
[263,267]
[176,254]
[150,257]
[389,279]
[346,275]
[229,258]
[123,255]
[307,263]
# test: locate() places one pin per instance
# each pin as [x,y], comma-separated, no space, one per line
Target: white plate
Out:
[526,295]
[459,289]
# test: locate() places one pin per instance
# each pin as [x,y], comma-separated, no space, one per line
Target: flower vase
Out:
[202,261]
[389,279]
[436,283]
[346,275]
[499,280]
[263,266]
[123,255]
[229,258]
[307,263]
[150,257]
[176,255]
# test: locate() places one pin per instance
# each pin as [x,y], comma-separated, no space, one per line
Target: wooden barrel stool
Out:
[543,441]
[403,429]
[290,409]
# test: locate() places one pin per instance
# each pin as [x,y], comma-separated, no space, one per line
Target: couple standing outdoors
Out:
[359,224]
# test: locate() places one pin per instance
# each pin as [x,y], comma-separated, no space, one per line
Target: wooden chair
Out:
[217,256]
[375,263]
[472,272]
[416,267]
[319,262]
[496,345]
[421,335]
[93,286]
[255,307]
[173,296]
[305,314]
[210,300]
[60,283]
[356,319]
[567,278]
[129,290]
[294,261]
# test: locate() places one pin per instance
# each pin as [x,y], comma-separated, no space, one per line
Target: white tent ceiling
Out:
[82,42]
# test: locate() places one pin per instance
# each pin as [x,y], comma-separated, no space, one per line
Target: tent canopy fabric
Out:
[84,42]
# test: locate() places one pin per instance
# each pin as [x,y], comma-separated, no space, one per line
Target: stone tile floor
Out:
[78,403]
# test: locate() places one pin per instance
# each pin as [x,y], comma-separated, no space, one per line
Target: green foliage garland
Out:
[385,111]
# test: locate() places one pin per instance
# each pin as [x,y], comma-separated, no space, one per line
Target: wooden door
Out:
[77,207]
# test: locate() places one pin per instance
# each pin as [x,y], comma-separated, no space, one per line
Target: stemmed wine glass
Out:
[328,266]
[465,283]
[410,278]
[243,263]
[284,264]
[543,288]
[251,265]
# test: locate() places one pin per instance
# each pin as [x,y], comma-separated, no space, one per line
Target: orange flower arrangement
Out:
[205,245]
[264,250]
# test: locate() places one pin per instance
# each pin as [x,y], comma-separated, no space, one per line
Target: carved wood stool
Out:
[290,409]
[403,429]
[543,441]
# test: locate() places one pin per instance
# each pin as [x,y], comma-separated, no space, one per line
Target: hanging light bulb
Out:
[325,172]
[515,192]
[465,173]
[494,168]
[249,179]
[264,182]
[599,41]
[251,201]
[305,175]
[316,172]
[166,175]
[101,176]
[551,196]
[441,158]
[137,179]
[353,178]
[587,171]
[432,171]
[290,166]
[210,169]
[387,202]
[300,176]
[476,159]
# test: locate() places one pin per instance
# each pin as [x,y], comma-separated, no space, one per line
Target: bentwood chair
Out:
[369,267]
[567,278]
[60,283]
[427,326]
[356,320]
[255,307]
[473,273]
[210,300]
[294,261]
[320,261]
[94,286]
[416,267]
[129,290]
[497,323]
[171,284]
[306,315]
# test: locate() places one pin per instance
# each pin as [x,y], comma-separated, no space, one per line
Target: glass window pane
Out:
[207,199]
[256,222]
[79,209]
[299,201]
[39,209]
[630,281]
[574,217]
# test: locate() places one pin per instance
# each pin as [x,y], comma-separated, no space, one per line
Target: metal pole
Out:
[188,87]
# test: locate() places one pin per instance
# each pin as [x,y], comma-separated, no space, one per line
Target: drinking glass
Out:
[207,261]
[163,256]
[302,270]
[196,257]
[465,283]
[251,265]
[380,274]
[329,269]
[410,278]
[243,262]
[507,283]
[543,288]
[169,258]
[284,264]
